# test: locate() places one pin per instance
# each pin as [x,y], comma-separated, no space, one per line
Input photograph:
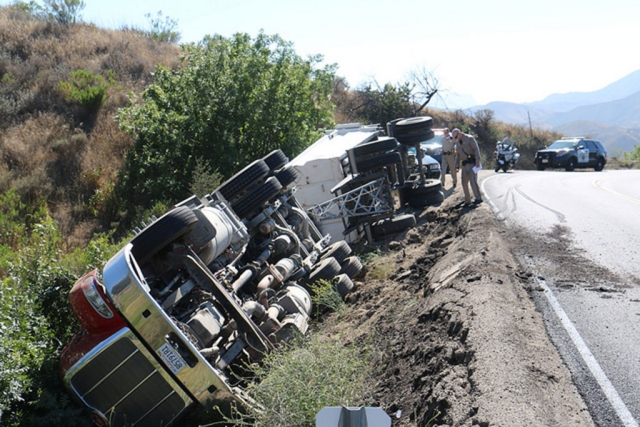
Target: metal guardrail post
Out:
[341,416]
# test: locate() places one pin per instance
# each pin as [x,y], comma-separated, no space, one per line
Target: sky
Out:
[478,50]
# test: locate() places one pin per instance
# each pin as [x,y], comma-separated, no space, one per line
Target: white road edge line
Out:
[609,390]
[487,200]
[603,381]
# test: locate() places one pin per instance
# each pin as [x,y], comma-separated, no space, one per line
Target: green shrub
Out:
[35,320]
[232,101]
[95,255]
[85,88]
[20,353]
[204,181]
[65,12]
[12,226]
[326,297]
[297,382]
[632,156]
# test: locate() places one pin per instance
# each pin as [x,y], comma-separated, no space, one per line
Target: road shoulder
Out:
[457,336]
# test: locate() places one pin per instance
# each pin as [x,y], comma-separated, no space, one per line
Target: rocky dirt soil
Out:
[457,337]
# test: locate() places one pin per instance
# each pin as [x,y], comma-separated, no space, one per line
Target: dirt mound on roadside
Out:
[456,337]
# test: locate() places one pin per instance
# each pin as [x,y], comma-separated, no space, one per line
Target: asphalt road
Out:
[597,326]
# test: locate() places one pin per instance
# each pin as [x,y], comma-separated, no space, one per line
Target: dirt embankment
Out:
[457,338]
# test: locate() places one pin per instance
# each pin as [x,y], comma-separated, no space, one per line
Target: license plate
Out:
[545,160]
[171,358]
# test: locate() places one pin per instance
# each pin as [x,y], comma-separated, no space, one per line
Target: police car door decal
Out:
[583,155]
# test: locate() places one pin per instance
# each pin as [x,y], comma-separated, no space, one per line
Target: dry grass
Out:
[53,49]
[55,150]
[27,147]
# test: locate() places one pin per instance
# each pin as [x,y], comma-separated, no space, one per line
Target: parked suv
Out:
[433,147]
[571,153]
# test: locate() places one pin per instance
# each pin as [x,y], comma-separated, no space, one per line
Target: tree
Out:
[64,11]
[634,155]
[425,86]
[373,103]
[232,101]
[483,127]
[381,104]
[163,31]
[344,99]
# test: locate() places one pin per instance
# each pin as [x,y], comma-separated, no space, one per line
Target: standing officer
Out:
[449,158]
[469,156]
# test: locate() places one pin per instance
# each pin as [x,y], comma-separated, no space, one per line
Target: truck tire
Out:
[287,175]
[414,123]
[169,227]
[343,285]
[326,269]
[338,250]
[430,186]
[420,201]
[419,196]
[375,147]
[275,160]
[393,225]
[244,180]
[351,266]
[416,138]
[256,197]
[370,163]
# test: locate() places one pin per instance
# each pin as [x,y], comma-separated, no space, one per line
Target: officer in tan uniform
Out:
[469,157]
[449,158]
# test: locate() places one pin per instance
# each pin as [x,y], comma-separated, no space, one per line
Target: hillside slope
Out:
[56,147]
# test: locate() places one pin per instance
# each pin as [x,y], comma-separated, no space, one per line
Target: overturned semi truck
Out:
[214,284]
[219,281]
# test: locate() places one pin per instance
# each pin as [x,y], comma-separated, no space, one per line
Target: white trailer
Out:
[323,165]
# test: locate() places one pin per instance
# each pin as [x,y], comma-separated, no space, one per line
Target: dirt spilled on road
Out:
[456,338]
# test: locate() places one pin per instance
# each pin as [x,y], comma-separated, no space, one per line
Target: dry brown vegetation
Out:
[54,149]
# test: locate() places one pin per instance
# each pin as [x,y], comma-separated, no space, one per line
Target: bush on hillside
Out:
[233,100]
[65,12]
[63,146]
[634,155]
[85,88]
[35,320]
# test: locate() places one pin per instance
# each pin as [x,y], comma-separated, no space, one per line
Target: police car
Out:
[572,152]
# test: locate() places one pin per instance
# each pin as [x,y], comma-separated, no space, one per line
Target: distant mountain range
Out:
[611,114]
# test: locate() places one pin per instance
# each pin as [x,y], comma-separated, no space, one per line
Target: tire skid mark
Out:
[559,215]
[511,197]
